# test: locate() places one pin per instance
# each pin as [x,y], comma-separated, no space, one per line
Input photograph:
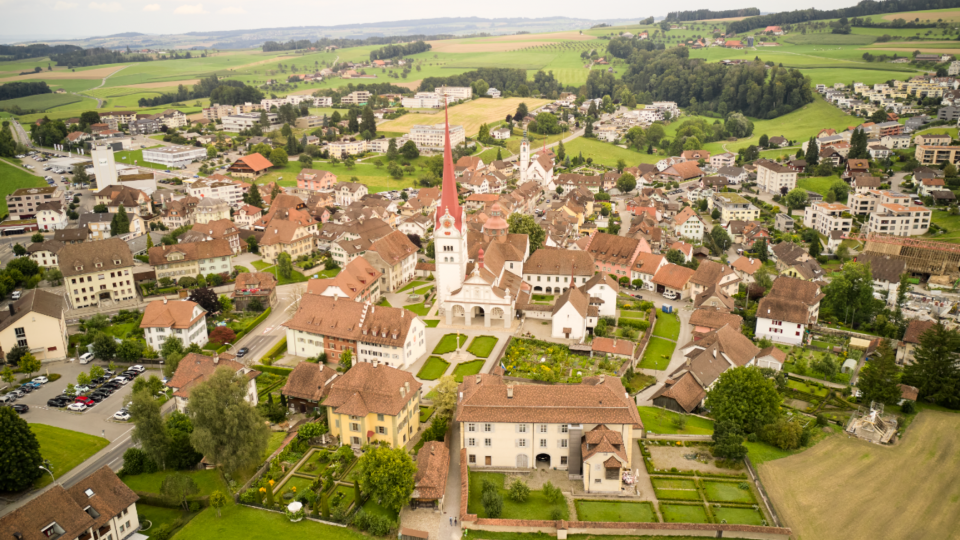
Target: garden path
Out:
[821,381]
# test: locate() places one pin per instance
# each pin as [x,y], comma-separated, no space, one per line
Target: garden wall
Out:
[767,501]
[642,345]
[849,333]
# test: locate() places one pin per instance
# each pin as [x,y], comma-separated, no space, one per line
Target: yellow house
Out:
[35,321]
[373,402]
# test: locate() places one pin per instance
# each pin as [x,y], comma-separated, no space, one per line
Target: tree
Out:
[172,345]
[29,364]
[368,122]
[409,150]
[20,466]
[797,198]
[226,429]
[36,238]
[206,298]
[446,401]
[279,158]
[89,118]
[879,379]
[934,370]
[715,214]
[743,396]
[222,335]
[849,295]
[252,245]
[721,238]
[16,353]
[491,499]
[218,500]
[120,224]
[728,439]
[180,452]
[178,488]
[764,141]
[675,256]
[346,359]
[524,224]
[149,430]
[253,197]
[387,475]
[19,250]
[815,248]
[785,434]
[760,248]
[521,112]
[519,490]
[626,183]
[226,305]
[284,265]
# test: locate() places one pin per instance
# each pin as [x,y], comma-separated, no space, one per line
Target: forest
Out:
[509,80]
[218,90]
[862,9]
[342,43]
[393,51]
[34,50]
[703,14]
[96,57]
[23,89]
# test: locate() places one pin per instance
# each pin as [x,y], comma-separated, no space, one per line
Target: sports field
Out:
[469,115]
[851,489]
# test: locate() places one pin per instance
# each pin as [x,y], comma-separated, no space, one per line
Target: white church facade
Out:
[540,170]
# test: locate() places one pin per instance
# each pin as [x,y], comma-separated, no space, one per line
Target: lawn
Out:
[240,269]
[466,369]
[616,511]
[536,506]
[448,343]
[482,346]
[372,507]
[295,481]
[606,153]
[207,480]
[313,466]
[818,184]
[432,323]
[841,477]
[15,178]
[64,449]
[634,383]
[274,442]
[684,513]
[420,309]
[158,516]
[425,413]
[295,277]
[941,218]
[673,483]
[739,516]
[412,285]
[348,494]
[668,326]
[658,353]
[804,387]
[761,452]
[727,492]
[433,369]
[678,494]
[628,314]
[135,157]
[253,524]
[469,115]
[660,421]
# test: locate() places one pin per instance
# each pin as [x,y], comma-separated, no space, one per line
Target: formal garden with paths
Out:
[436,366]
[553,362]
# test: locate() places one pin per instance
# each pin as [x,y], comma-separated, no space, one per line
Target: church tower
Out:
[524,157]
[450,229]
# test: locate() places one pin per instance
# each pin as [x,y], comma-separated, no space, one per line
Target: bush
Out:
[381,525]
[556,514]
[492,503]
[53,377]
[821,419]
[752,437]
[250,496]
[552,493]
[908,407]
[784,434]
[135,461]
[163,532]
[187,282]
[519,490]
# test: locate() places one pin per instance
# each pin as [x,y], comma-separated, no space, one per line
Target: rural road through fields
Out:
[102,82]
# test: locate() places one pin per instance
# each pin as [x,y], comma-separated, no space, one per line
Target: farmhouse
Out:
[250,166]
[791,305]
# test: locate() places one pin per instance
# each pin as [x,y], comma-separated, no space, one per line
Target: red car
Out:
[86,401]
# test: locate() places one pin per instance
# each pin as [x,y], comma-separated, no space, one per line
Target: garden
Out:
[657,354]
[433,368]
[482,346]
[448,343]
[490,497]
[551,362]
[618,511]
[665,422]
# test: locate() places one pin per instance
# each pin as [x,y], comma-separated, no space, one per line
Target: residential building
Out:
[307,386]
[932,139]
[602,290]
[825,217]
[190,259]
[51,216]
[181,319]
[423,100]
[222,188]
[395,257]
[430,482]
[247,215]
[347,146]
[783,223]
[236,123]
[937,155]
[899,220]
[349,192]
[886,272]
[36,321]
[97,272]
[210,209]
[250,166]
[710,274]
[72,236]
[687,224]
[297,237]
[23,203]
[582,428]
[316,180]
[360,97]
[726,159]
[308,122]
[250,287]
[45,253]
[98,506]
[454,93]
[735,175]
[371,403]
[432,137]
[911,339]
[358,281]
[98,224]
[733,207]
[549,270]
[671,278]
[927,186]
[195,369]
[221,229]
[784,313]
[615,254]
[645,267]
[773,177]
[174,157]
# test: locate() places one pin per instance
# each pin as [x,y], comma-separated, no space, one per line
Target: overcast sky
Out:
[83,18]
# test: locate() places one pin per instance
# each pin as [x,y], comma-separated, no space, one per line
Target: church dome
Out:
[495,221]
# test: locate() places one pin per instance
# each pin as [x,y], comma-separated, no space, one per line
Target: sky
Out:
[65,19]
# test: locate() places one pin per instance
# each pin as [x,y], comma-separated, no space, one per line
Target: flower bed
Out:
[551,362]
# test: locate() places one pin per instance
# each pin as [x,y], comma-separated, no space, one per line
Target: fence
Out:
[642,346]
[763,492]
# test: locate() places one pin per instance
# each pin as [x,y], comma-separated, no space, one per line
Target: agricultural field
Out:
[817,491]
[41,102]
[469,115]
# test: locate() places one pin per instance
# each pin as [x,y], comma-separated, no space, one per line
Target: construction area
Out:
[920,256]
[873,425]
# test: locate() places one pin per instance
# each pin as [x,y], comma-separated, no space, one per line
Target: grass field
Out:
[615,511]
[41,102]
[64,449]
[726,492]
[252,524]
[469,115]
[375,178]
[951,223]
[661,421]
[535,507]
[15,178]
[207,481]
[817,184]
[448,343]
[684,513]
[466,369]
[433,368]
[819,489]
[420,309]
[482,346]
[668,326]
[656,350]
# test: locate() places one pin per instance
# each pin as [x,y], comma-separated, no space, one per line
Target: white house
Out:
[194,369]
[791,305]
[603,289]
[687,224]
[180,319]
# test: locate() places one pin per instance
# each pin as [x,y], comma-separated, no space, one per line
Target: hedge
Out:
[276,370]
[268,358]
[253,324]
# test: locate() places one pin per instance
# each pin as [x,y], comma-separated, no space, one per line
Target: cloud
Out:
[190,10]
[151,7]
[106,7]
[63,6]
[233,10]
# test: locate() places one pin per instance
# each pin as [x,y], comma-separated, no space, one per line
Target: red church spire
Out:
[448,194]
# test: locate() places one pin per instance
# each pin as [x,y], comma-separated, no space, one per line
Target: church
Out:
[540,170]
[478,272]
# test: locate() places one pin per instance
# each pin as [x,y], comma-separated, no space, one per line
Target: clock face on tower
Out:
[447,223]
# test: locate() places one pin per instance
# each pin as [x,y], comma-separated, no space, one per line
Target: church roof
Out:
[448,194]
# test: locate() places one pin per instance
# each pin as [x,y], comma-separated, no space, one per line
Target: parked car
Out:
[27,388]
[7,398]
[16,295]
[83,389]
[41,380]
[121,415]
[138,368]
[57,402]
[670,295]
[20,408]
[79,407]
[86,358]
[96,398]
[85,400]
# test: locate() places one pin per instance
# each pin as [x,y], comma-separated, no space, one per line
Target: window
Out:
[472,459]
[521,442]
[564,443]
[488,428]
[522,428]
[596,481]
[381,430]
[380,418]
[471,442]
[563,460]
[543,443]
[543,428]
[563,428]
[487,442]
[354,427]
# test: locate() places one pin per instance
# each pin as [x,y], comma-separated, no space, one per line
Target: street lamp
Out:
[51,474]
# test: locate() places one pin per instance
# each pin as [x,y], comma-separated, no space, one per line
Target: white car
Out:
[86,357]
[79,407]
[670,295]
[138,367]
[120,415]
[121,380]
[40,380]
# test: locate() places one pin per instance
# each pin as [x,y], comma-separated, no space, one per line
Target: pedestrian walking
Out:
[451,522]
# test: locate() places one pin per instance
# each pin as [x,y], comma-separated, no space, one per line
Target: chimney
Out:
[403,392]
[320,365]
[510,391]
[216,358]
[164,299]
[407,386]
[375,363]
[13,310]
[602,378]
[478,378]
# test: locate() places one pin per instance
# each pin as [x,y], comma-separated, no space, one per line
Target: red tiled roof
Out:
[256,162]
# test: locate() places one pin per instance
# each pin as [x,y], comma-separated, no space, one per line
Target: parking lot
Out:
[97,420]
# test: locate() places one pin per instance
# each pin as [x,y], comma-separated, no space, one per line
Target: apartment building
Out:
[395,257]
[190,259]
[899,220]
[95,272]
[392,337]
[347,147]
[454,93]
[216,112]
[51,216]
[210,209]
[174,156]
[423,100]
[826,217]
[360,97]
[614,254]
[865,203]
[181,319]
[348,193]
[236,123]
[221,229]
[773,177]
[932,139]
[23,202]
[687,224]
[316,180]
[226,190]
[937,155]
[734,207]
[432,137]
[309,122]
